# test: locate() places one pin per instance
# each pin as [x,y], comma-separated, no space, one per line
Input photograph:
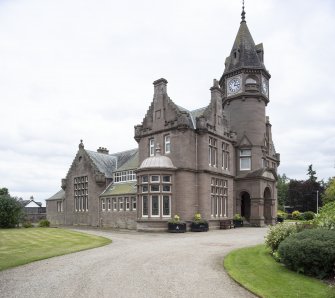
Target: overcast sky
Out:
[81,69]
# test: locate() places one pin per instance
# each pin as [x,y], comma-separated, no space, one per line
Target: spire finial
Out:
[243,12]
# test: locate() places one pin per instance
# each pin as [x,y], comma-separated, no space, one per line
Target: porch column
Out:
[256,212]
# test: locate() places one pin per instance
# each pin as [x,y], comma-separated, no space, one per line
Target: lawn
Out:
[256,270]
[22,246]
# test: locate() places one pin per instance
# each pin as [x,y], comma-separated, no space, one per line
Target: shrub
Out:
[311,252]
[296,215]
[308,215]
[44,223]
[326,216]
[27,224]
[278,233]
[238,216]
[281,214]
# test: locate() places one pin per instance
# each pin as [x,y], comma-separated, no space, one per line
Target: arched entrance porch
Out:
[245,205]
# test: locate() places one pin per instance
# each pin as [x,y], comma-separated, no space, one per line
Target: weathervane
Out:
[243,12]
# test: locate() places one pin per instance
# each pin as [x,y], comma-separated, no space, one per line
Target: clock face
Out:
[234,85]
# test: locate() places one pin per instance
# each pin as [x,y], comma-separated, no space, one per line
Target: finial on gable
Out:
[158,150]
[243,12]
[81,145]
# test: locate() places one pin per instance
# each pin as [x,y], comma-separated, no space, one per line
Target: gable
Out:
[268,175]
[245,142]
[32,204]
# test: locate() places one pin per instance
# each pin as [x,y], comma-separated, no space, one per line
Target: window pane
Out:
[133,203]
[154,187]
[155,178]
[121,207]
[114,204]
[167,188]
[245,163]
[166,205]
[167,144]
[144,188]
[145,205]
[154,206]
[166,179]
[245,152]
[144,179]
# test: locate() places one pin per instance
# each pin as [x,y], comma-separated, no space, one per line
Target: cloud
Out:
[74,70]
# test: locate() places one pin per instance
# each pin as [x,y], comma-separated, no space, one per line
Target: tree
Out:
[311,173]
[10,210]
[302,194]
[329,194]
[282,187]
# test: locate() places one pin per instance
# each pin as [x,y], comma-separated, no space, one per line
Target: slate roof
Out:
[24,203]
[245,44]
[193,114]
[128,160]
[60,195]
[120,189]
[108,163]
[105,163]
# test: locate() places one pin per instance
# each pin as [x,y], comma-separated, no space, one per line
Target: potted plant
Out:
[238,220]
[175,225]
[198,224]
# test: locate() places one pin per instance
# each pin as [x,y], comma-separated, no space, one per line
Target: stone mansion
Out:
[217,160]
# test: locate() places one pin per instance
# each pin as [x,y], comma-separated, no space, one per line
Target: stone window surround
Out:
[161,212]
[167,144]
[212,152]
[124,176]
[225,156]
[245,157]
[151,147]
[112,204]
[80,185]
[145,183]
[60,206]
[219,197]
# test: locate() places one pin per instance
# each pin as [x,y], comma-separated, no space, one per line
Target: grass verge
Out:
[257,271]
[22,246]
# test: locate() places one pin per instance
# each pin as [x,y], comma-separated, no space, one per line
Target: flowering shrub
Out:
[175,220]
[278,233]
[197,216]
[326,216]
[198,219]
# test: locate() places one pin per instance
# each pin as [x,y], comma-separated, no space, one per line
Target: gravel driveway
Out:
[137,265]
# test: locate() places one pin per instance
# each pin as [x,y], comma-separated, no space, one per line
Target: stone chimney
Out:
[103,150]
[160,87]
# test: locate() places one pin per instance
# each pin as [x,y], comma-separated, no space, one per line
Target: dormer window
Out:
[236,54]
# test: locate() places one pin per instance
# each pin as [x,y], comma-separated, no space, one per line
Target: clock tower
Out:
[245,85]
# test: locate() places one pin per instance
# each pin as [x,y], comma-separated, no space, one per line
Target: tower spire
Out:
[243,12]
